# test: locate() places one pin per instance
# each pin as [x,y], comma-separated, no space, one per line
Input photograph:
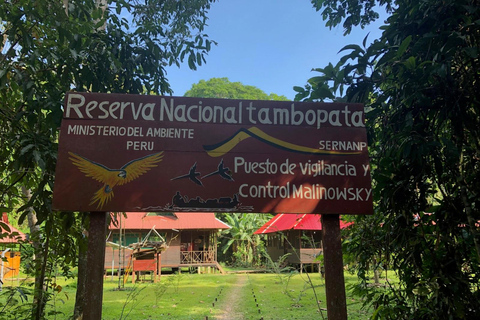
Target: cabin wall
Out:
[115,257]
[275,246]
[193,241]
[292,246]
[171,256]
[303,246]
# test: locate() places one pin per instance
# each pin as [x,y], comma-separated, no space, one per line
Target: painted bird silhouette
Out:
[192,175]
[222,171]
[113,177]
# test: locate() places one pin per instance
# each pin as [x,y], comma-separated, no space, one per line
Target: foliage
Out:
[161,287]
[248,248]
[280,266]
[131,303]
[51,47]
[13,303]
[223,88]
[48,50]
[351,12]
[284,273]
[420,84]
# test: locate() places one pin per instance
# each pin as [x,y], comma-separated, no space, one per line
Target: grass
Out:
[289,297]
[198,296]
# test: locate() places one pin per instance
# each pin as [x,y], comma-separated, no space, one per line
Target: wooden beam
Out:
[97,233]
[334,278]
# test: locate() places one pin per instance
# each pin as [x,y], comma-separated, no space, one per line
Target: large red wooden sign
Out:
[152,153]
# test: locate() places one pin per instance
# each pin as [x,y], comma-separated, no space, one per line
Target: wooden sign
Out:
[153,153]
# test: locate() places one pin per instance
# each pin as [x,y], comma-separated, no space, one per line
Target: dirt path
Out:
[230,303]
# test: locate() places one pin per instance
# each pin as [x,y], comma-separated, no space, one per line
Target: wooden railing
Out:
[309,255]
[193,257]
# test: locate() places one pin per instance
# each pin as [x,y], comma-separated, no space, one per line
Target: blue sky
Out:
[270,44]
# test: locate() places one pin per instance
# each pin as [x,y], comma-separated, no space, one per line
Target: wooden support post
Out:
[334,278]
[97,233]
[159,266]
[155,272]
[158,272]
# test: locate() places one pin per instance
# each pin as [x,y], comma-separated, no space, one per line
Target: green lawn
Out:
[198,296]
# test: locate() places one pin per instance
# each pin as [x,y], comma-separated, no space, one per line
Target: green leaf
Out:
[403,46]
[364,42]
[191,62]
[316,81]
[410,63]
[199,59]
[5,227]
[323,92]
[23,296]
[298,89]
[26,148]
[471,52]
[22,217]
[36,155]
[354,47]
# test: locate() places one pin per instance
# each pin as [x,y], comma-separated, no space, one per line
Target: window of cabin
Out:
[127,239]
[311,239]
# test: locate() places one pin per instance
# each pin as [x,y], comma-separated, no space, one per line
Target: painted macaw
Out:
[113,177]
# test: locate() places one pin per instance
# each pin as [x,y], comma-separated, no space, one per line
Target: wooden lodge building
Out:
[299,235]
[190,241]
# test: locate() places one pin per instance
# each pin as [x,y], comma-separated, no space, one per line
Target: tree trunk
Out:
[38,300]
[40,287]
[65,5]
[103,5]
[32,217]
[376,273]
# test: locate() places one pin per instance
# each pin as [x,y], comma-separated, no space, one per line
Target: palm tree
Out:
[246,246]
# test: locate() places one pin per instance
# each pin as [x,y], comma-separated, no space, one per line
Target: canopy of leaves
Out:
[223,88]
[50,47]
[351,12]
[420,82]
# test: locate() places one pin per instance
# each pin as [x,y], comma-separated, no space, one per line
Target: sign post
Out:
[92,308]
[334,278]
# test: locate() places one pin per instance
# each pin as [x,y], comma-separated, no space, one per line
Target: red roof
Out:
[14,236]
[288,221]
[178,221]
